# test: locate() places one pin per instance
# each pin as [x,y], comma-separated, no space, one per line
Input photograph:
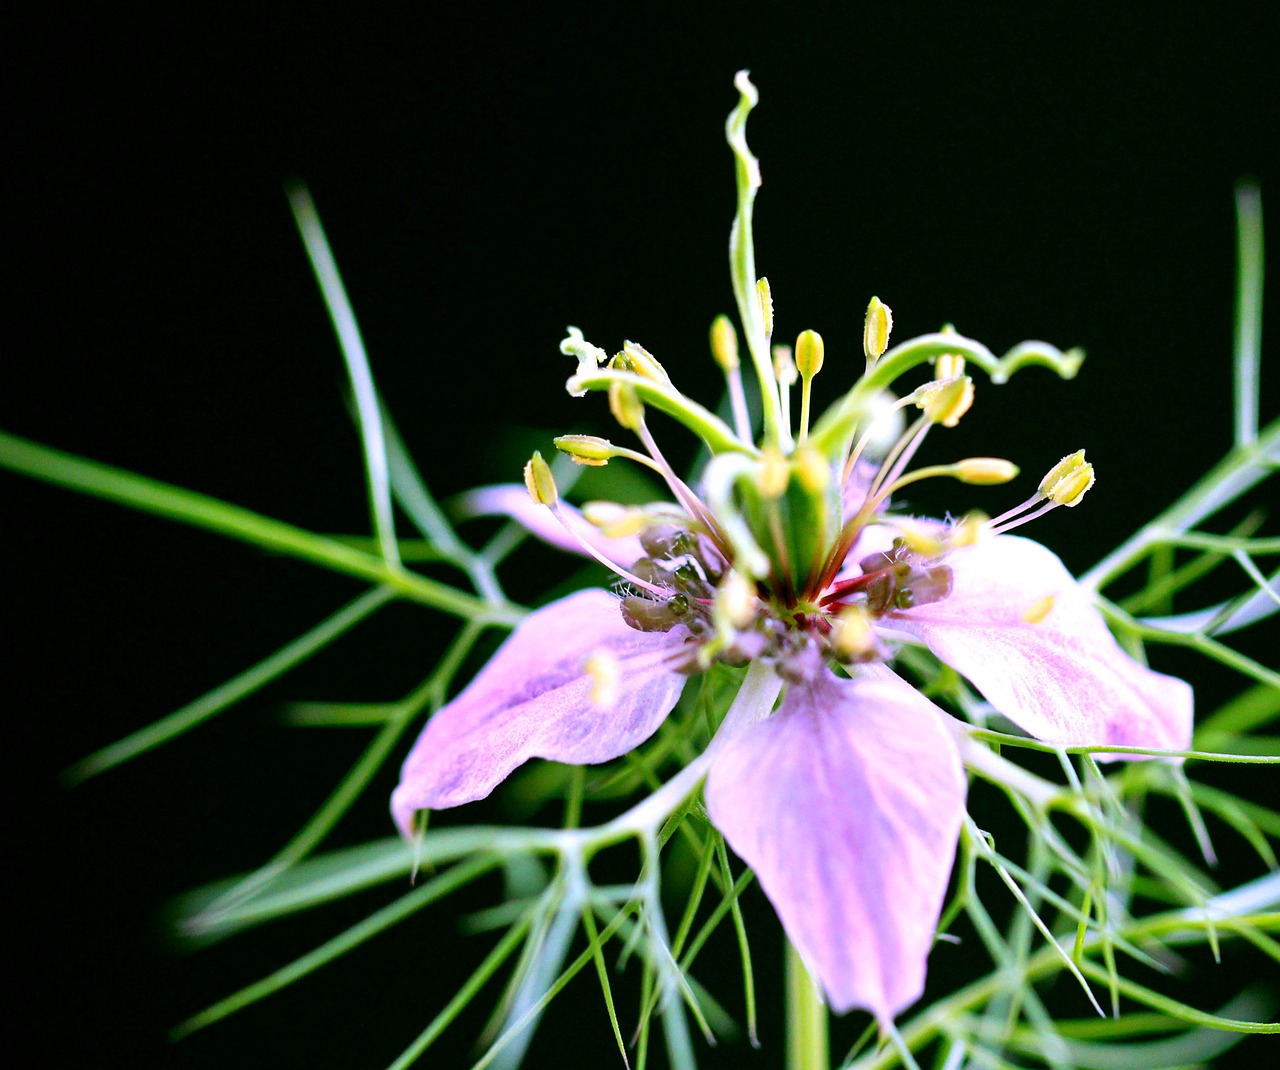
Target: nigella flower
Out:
[845,797]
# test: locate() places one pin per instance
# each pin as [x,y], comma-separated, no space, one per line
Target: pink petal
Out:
[1064,679]
[533,700]
[847,803]
[512,500]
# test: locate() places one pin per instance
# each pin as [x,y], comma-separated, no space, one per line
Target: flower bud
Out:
[724,343]
[984,471]
[876,328]
[945,401]
[539,481]
[809,353]
[765,297]
[586,449]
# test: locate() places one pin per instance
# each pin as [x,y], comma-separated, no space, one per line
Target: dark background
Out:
[487,177]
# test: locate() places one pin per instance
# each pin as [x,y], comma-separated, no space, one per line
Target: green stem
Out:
[806,1018]
[1242,468]
[838,421]
[199,510]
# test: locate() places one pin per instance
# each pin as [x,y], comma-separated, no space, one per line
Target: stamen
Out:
[683,493]
[724,348]
[605,672]
[784,370]
[630,577]
[593,450]
[809,356]
[875,330]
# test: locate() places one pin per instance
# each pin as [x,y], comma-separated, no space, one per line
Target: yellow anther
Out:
[765,297]
[921,540]
[1071,488]
[724,343]
[605,673]
[809,353]
[1039,609]
[783,366]
[626,406]
[985,471]
[615,521]
[944,401]
[812,469]
[539,481]
[736,600]
[643,363]
[586,449]
[775,472]
[948,366]
[1060,470]
[969,530]
[876,328]
[852,637]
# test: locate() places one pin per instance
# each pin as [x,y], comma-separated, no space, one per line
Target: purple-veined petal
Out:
[1052,667]
[847,803]
[533,700]
[512,500]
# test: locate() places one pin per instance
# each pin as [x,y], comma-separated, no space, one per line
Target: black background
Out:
[487,177]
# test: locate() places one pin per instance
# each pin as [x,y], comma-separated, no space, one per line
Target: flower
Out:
[847,799]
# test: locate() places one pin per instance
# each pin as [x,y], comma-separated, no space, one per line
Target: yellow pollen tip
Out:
[605,673]
[921,540]
[809,353]
[945,401]
[724,343]
[1039,609]
[1060,470]
[812,469]
[615,521]
[643,363]
[970,530]
[539,482]
[775,472]
[852,637]
[586,449]
[736,600]
[876,328]
[626,406]
[985,471]
[948,366]
[765,296]
[1071,488]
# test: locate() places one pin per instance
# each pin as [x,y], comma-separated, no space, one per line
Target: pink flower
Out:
[846,801]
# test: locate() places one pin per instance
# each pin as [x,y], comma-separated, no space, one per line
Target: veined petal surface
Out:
[1052,667]
[847,803]
[533,700]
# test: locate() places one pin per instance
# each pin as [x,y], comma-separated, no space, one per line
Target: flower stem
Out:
[806,1018]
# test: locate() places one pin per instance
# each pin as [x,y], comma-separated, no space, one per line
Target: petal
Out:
[512,500]
[533,700]
[847,803]
[1064,678]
